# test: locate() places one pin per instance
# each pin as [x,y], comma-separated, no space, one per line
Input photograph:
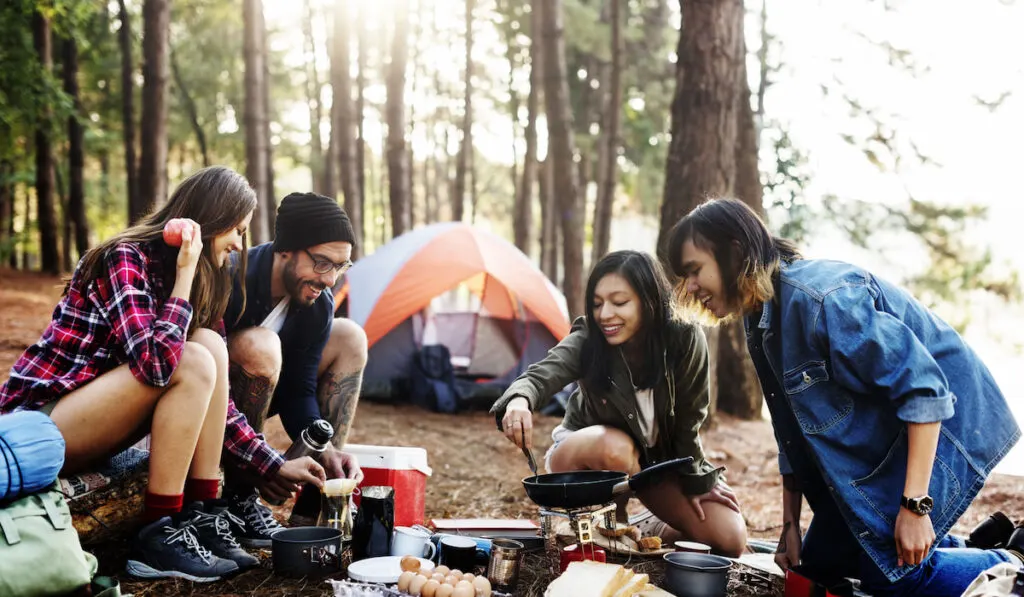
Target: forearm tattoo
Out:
[338,394]
[251,394]
[783,540]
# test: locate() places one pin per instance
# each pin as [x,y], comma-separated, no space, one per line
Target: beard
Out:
[294,285]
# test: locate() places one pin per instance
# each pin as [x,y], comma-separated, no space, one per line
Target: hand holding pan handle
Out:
[651,475]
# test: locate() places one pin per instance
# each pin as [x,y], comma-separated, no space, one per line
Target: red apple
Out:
[173,229]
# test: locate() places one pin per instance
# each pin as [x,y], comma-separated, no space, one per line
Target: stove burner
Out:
[580,521]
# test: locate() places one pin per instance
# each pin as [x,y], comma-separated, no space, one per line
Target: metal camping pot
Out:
[307,551]
[696,574]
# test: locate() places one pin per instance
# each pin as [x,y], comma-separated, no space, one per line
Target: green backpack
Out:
[39,549]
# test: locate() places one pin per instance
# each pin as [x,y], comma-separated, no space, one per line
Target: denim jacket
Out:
[857,359]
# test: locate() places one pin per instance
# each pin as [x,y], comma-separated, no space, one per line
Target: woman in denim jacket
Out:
[887,422]
[643,394]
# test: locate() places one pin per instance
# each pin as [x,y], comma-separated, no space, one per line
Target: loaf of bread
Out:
[635,584]
[650,543]
[589,579]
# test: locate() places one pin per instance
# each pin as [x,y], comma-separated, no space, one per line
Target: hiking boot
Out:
[991,533]
[213,528]
[163,550]
[259,522]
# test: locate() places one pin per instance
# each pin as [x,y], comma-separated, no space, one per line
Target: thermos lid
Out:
[320,432]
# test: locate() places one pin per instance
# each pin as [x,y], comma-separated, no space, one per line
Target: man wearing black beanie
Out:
[289,355]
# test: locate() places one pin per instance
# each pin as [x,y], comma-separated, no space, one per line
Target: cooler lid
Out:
[390,457]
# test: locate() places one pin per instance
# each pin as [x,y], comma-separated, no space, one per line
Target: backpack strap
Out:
[10,530]
[52,511]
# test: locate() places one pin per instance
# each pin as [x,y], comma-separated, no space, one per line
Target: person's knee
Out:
[213,342]
[731,535]
[258,351]
[618,452]
[348,341]
[197,369]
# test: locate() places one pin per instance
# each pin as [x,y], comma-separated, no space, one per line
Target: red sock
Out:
[158,506]
[197,490]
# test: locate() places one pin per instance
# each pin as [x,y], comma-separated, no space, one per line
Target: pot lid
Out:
[384,569]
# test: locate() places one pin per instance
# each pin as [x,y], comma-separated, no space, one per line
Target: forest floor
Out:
[476,472]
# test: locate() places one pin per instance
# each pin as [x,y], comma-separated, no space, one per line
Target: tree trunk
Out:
[76,152]
[701,158]
[522,223]
[271,202]
[136,208]
[561,149]
[702,155]
[739,391]
[313,88]
[344,131]
[47,218]
[65,222]
[361,60]
[610,138]
[193,112]
[156,19]
[466,147]
[257,143]
[549,240]
[6,208]
[398,164]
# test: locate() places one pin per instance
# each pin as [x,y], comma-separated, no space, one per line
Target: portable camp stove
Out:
[581,521]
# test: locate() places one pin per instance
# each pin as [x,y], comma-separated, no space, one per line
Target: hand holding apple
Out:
[174,229]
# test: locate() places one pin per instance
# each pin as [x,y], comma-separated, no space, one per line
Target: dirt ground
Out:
[476,472]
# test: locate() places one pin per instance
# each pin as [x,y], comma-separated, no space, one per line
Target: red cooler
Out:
[405,469]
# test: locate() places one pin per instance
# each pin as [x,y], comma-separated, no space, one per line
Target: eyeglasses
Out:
[326,266]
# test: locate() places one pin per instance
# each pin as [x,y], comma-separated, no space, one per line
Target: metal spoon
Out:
[529,453]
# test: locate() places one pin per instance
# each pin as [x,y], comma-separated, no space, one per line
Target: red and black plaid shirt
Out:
[124,317]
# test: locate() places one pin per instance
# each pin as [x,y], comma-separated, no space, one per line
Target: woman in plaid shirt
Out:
[131,350]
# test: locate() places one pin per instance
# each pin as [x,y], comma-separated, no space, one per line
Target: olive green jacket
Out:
[680,400]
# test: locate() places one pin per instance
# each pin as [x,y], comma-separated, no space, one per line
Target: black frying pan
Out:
[579,489]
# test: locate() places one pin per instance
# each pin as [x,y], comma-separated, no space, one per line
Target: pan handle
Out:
[651,474]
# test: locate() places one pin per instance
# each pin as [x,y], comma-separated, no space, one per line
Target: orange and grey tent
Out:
[453,284]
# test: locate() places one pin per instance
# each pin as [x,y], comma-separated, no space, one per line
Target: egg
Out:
[443,570]
[464,590]
[404,580]
[410,563]
[424,573]
[452,580]
[482,586]
[438,577]
[416,586]
[469,576]
[444,591]
[456,572]
[430,588]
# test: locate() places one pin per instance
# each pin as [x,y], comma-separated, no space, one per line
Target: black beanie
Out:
[307,219]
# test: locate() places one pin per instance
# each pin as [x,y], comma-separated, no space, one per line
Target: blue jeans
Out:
[828,546]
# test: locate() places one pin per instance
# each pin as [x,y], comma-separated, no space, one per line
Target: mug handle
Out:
[429,548]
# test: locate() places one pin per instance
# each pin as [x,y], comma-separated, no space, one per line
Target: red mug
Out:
[574,553]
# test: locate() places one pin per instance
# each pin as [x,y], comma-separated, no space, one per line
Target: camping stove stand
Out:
[581,521]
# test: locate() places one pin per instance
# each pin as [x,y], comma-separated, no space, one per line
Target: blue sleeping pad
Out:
[31,453]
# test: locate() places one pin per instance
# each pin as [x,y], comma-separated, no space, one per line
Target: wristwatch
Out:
[920,505]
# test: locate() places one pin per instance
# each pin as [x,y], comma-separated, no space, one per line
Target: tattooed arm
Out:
[788,553]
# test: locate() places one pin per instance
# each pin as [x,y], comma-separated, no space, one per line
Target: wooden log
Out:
[110,513]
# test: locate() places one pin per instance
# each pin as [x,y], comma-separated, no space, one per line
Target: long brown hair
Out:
[748,254]
[217,198]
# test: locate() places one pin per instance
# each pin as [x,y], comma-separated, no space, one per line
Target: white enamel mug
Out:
[407,541]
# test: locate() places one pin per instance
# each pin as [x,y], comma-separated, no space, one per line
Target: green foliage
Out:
[785,182]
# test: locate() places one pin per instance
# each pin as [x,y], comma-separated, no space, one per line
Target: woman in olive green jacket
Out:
[643,394]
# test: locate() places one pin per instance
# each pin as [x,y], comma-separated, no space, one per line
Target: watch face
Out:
[920,505]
